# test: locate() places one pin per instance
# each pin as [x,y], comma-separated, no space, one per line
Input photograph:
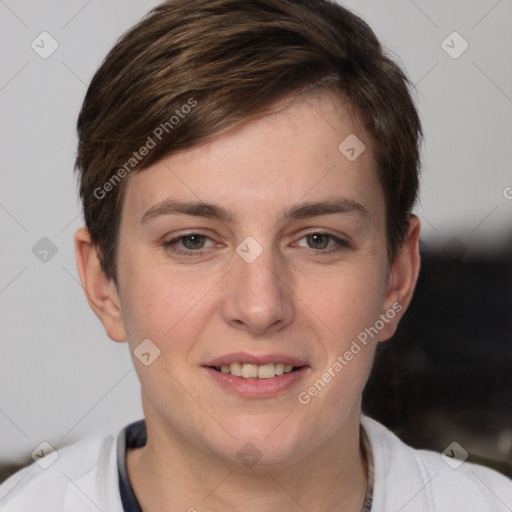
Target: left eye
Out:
[320,241]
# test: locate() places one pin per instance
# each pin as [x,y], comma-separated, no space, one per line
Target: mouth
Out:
[255,371]
[257,376]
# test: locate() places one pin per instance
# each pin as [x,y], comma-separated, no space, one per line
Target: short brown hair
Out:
[225,61]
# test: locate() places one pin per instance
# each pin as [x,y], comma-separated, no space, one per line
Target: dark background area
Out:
[446,375]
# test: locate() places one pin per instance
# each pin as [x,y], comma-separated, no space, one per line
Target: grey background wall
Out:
[61,378]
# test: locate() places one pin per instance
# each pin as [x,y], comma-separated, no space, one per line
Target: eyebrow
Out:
[212,211]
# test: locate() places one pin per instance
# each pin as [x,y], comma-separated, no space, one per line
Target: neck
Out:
[169,473]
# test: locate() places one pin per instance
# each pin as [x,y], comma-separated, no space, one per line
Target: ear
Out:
[402,280]
[100,290]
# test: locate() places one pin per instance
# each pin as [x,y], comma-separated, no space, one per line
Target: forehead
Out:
[305,148]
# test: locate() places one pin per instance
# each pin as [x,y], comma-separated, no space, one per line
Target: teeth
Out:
[253,371]
[249,371]
[235,369]
[266,371]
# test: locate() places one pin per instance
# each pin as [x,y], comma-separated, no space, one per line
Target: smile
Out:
[255,371]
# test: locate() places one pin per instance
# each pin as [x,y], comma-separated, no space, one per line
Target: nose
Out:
[259,296]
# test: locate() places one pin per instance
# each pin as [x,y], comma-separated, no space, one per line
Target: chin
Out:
[261,445]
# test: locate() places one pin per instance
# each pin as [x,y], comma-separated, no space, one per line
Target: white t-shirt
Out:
[84,477]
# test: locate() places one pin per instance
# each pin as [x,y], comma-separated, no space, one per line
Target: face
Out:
[262,250]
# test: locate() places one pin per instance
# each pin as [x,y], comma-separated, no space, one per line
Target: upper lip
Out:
[245,357]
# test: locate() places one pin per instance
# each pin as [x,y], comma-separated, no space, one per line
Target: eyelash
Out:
[169,245]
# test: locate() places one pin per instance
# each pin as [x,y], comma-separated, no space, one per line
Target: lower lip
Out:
[257,388]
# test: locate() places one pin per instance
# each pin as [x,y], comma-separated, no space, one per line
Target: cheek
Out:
[345,301]
[166,307]
[347,306]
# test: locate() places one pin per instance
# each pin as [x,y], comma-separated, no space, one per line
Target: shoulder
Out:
[82,476]
[420,480]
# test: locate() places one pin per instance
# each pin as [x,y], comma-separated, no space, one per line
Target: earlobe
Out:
[402,279]
[100,290]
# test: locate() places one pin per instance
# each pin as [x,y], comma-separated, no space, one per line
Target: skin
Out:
[293,299]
